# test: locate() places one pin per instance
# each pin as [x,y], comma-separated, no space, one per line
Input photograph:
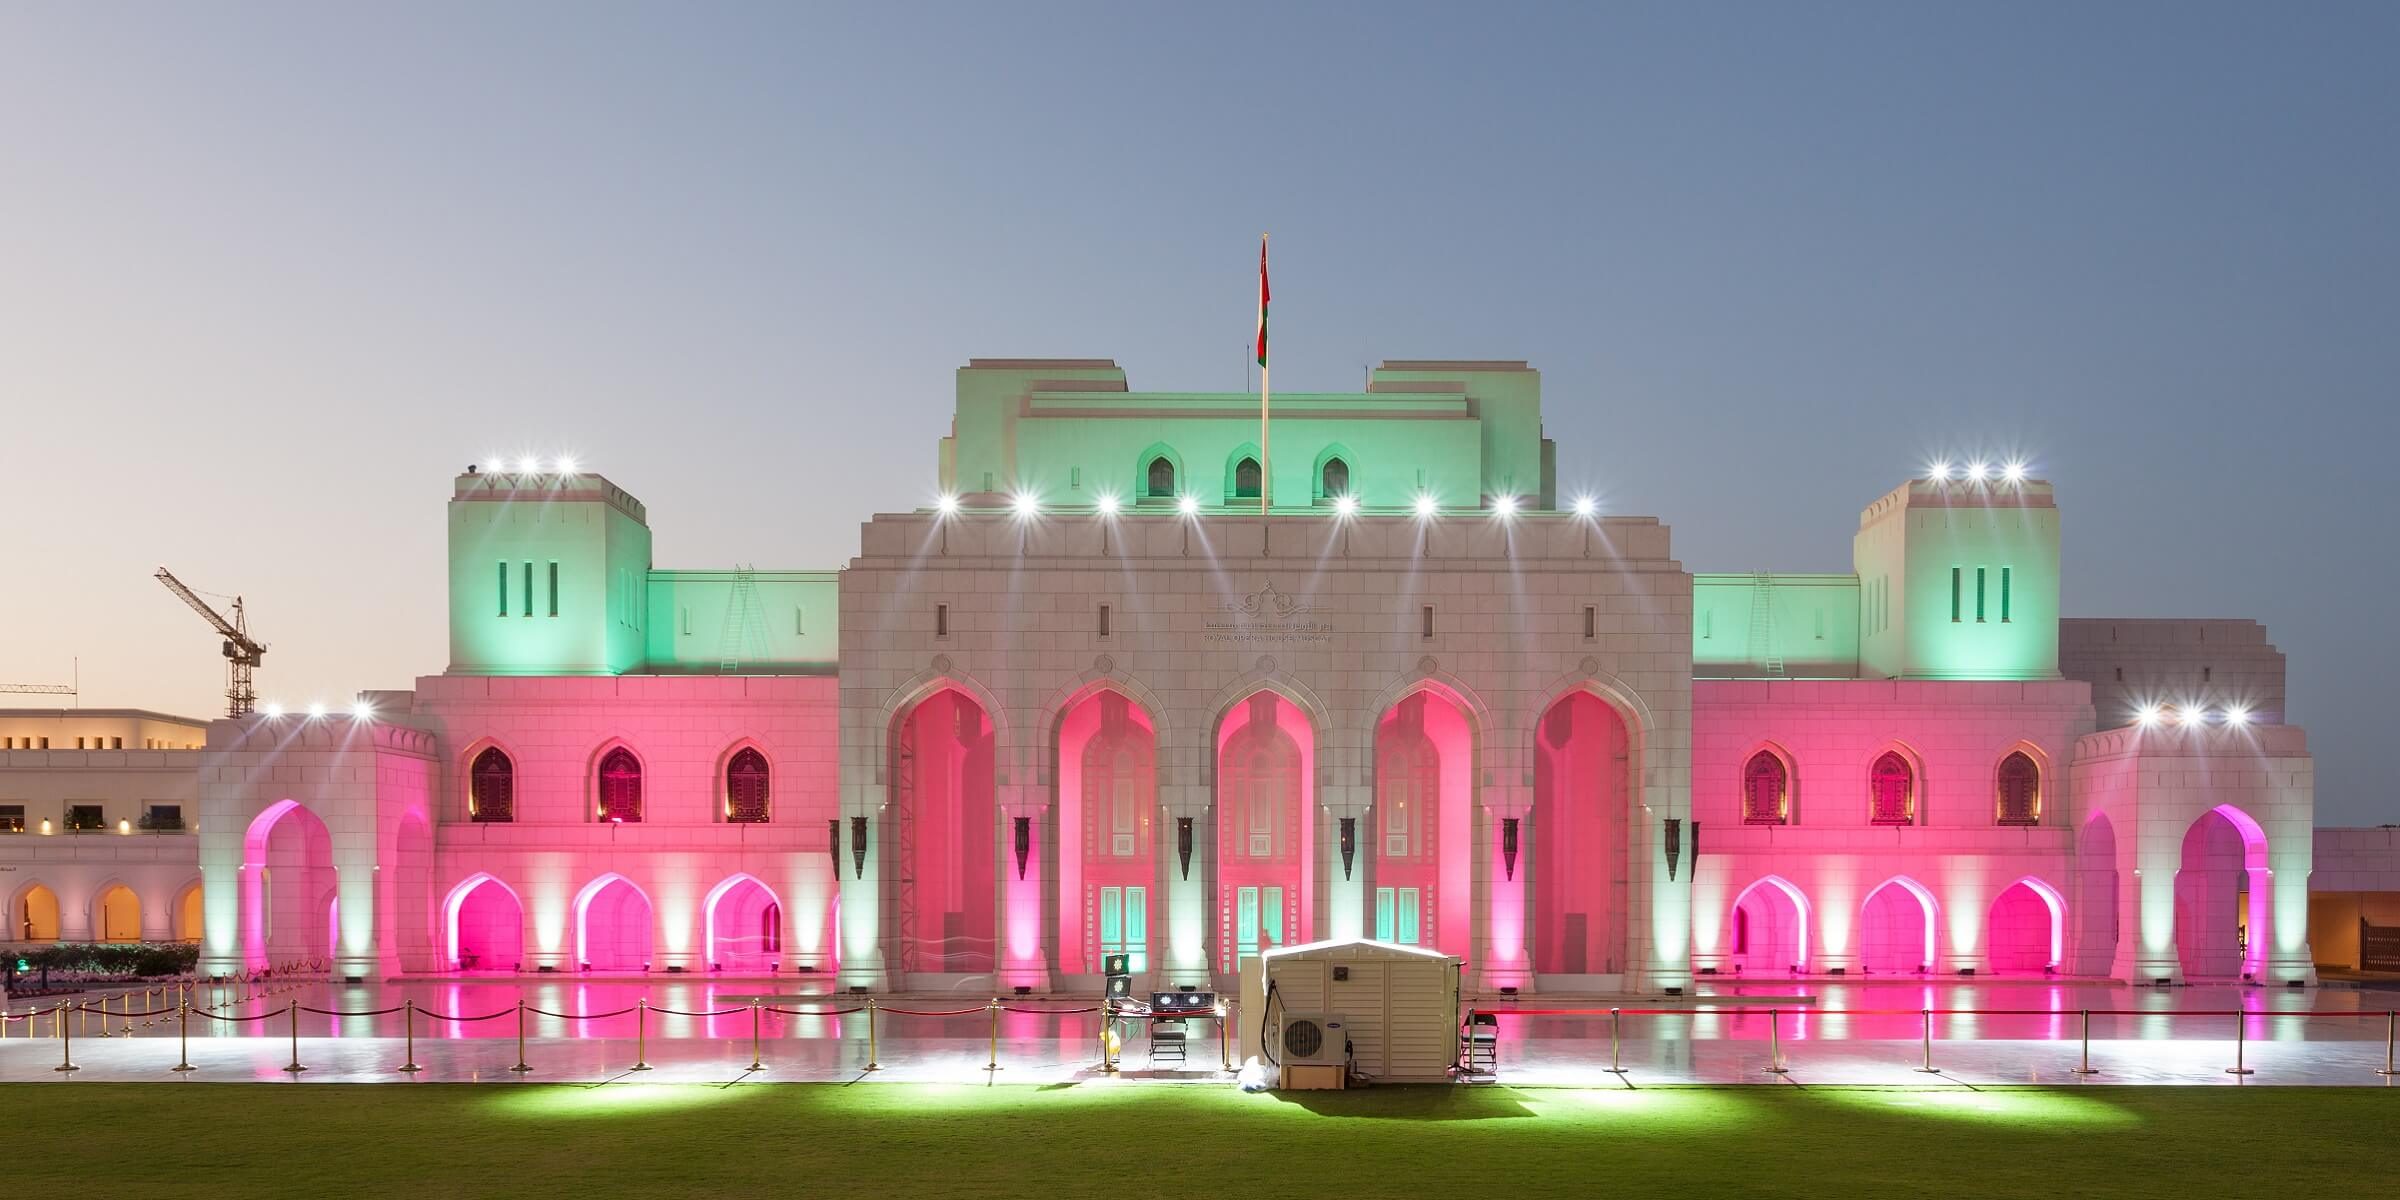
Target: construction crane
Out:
[241,651]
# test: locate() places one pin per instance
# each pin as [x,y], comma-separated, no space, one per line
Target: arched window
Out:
[1766,791]
[1245,479]
[620,787]
[2020,790]
[492,787]
[746,787]
[1335,478]
[770,928]
[1161,482]
[1893,788]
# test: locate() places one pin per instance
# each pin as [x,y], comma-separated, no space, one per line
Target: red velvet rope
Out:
[582,1016]
[816,1012]
[674,1012]
[427,1012]
[335,1012]
[1759,1009]
[926,1012]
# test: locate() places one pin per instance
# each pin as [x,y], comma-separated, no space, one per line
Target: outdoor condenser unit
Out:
[1314,1037]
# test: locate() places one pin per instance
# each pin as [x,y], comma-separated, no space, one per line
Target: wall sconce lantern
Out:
[1508,845]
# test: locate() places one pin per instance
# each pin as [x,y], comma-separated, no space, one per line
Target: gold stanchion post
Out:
[641,1036]
[1775,1044]
[2241,1029]
[2086,1068]
[2391,1026]
[520,1068]
[66,1041]
[408,1027]
[1224,1035]
[872,1065]
[755,1065]
[1927,1069]
[293,1010]
[994,1009]
[183,1036]
[1616,1044]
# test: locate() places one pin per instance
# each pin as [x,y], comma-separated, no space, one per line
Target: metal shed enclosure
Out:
[1399,1004]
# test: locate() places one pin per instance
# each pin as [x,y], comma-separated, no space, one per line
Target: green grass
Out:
[899,1141]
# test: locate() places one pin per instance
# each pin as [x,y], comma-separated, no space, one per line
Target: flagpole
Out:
[1266,459]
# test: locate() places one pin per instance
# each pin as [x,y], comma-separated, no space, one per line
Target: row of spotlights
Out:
[361,711]
[530,465]
[2012,471]
[2152,716]
[1025,504]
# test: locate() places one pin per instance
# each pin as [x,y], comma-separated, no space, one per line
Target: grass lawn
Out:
[896,1141]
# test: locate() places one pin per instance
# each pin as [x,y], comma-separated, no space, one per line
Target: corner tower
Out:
[548,575]
[1958,579]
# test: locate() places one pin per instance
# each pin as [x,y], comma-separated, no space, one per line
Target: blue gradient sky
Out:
[270,274]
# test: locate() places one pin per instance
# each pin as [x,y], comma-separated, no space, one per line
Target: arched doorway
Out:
[1896,929]
[745,927]
[485,927]
[189,912]
[947,848]
[1265,761]
[1108,803]
[2221,894]
[613,926]
[288,887]
[33,916]
[1418,830]
[116,915]
[2027,933]
[2096,927]
[1769,931]
[1581,765]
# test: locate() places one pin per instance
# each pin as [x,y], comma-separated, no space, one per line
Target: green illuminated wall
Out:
[591,621]
[1068,431]
[2005,622]
[1773,625]
[700,622]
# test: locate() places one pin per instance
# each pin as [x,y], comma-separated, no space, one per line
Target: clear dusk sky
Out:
[270,274]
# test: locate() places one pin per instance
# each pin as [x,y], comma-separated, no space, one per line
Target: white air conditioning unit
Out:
[1313,1037]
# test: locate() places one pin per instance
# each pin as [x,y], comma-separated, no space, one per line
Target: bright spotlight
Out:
[528,465]
[2148,716]
[1427,506]
[947,504]
[1188,505]
[2014,472]
[1345,505]
[362,711]
[1505,506]
[1108,503]
[1939,472]
[1979,472]
[316,712]
[566,466]
[1028,505]
[2237,716]
[1585,506]
[271,709]
[496,466]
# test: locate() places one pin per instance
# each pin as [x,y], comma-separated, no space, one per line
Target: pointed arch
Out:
[1769,781]
[2007,931]
[627,929]
[1146,474]
[187,920]
[1264,754]
[484,926]
[115,912]
[1240,483]
[1334,473]
[2020,785]
[741,927]
[473,781]
[1105,745]
[1798,900]
[745,781]
[287,885]
[33,913]
[1885,935]
[608,791]
[1895,798]
[903,700]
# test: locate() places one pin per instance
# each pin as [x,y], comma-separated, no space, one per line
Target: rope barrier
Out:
[427,1012]
[818,1012]
[947,1012]
[722,1012]
[336,1012]
[541,1012]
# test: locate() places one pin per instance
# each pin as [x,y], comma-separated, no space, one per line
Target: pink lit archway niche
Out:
[290,912]
[613,926]
[2028,931]
[745,927]
[483,926]
[1266,761]
[947,846]
[2222,892]
[1897,929]
[1768,933]
[1108,816]
[1582,776]
[1420,830]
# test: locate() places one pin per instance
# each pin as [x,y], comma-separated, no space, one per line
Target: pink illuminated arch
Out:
[2028,928]
[1584,776]
[1265,813]
[2224,858]
[621,919]
[743,918]
[945,818]
[483,919]
[1108,823]
[1768,925]
[287,886]
[1895,936]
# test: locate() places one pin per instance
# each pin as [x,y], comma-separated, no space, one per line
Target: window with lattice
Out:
[746,787]
[1766,791]
[492,787]
[1893,789]
[620,787]
[2020,790]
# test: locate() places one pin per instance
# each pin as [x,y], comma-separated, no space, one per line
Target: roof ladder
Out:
[1763,650]
[745,629]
